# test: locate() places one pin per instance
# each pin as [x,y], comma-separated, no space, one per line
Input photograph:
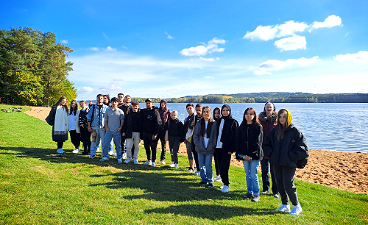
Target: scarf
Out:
[61,121]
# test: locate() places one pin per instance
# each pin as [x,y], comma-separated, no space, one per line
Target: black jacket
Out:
[175,128]
[287,151]
[151,121]
[249,141]
[229,134]
[130,120]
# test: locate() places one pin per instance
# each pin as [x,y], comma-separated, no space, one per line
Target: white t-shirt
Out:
[72,118]
[219,143]
[205,139]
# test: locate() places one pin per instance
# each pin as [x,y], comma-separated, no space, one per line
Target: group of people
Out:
[269,139]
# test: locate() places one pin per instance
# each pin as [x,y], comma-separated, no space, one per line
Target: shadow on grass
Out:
[213,212]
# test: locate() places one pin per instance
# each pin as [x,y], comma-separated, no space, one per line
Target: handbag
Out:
[189,135]
[301,163]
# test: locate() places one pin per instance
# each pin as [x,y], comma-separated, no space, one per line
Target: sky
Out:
[169,49]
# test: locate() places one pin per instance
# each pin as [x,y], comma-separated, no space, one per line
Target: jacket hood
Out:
[229,108]
[290,117]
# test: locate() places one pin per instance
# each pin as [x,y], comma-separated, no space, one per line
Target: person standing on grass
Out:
[249,149]
[96,125]
[164,115]
[267,118]
[74,128]
[225,144]
[85,134]
[58,118]
[175,135]
[188,131]
[114,120]
[284,146]
[217,117]
[132,129]
[151,127]
[199,112]
[205,141]
[125,107]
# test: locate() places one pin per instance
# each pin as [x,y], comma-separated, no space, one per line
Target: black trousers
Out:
[149,145]
[75,138]
[285,182]
[266,167]
[217,164]
[195,155]
[174,143]
[161,136]
[86,140]
[224,164]
[60,144]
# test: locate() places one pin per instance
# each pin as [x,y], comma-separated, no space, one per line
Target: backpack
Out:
[301,163]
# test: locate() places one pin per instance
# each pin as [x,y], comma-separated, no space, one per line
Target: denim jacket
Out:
[97,116]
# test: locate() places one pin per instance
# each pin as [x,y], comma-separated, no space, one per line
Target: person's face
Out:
[190,110]
[269,107]
[283,118]
[199,111]
[127,100]
[249,116]
[217,114]
[121,98]
[105,99]
[135,108]
[114,104]
[163,104]
[74,104]
[83,104]
[63,101]
[174,116]
[207,113]
[225,111]
[99,99]
[149,105]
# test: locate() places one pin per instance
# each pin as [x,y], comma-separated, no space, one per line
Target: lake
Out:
[326,126]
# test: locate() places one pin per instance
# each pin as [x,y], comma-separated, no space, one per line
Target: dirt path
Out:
[342,170]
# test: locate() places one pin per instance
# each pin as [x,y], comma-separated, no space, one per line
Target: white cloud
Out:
[329,22]
[168,35]
[94,49]
[291,43]
[208,77]
[86,89]
[111,88]
[125,47]
[109,49]
[207,59]
[360,57]
[64,41]
[275,65]
[210,47]
[105,36]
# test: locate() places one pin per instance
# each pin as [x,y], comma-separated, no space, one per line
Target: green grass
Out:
[38,186]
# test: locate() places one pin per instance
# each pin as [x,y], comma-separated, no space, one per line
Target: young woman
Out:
[59,117]
[85,134]
[249,149]
[74,128]
[267,118]
[205,141]
[225,144]
[217,117]
[285,145]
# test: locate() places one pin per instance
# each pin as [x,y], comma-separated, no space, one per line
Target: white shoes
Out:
[111,153]
[76,151]
[225,189]
[176,166]
[217,178]
[284,208]
[163,162]
[296,210]
[148,162]
[136,162]
[153,164]
[125,156]
[127,161]
[60,151]
[172,165]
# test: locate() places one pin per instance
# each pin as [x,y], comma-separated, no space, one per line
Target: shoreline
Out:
[344,170]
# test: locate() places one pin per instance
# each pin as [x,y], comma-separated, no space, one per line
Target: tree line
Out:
[33,68]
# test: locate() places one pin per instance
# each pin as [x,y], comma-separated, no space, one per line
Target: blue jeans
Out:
[205,164]
[98,136]
[251,170]
[108,139]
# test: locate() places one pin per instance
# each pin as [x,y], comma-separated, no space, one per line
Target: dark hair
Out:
[214,110]
[189,104]
[99,95]
[255,118]
[274,108]
[135,103]
[121,94]
[73,109]
[199,105]
[127,96]
[280,130]
[114,99]
[108,97]
[82,101]
[209,126]
[58,103]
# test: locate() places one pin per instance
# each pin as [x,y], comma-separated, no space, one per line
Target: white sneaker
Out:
[163,162]
[104,159]
[111,153]
[60,151]
[225,189]
[217,178]
[197,173]
[153,164]
[76,151]
[172,165]
[296,210]
[284,208]
[124,155]
[148,162]
[136,161]
[120,160]
[176,166]
[127,161]
[222,186]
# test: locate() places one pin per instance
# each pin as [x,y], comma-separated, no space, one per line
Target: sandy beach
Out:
[342,170]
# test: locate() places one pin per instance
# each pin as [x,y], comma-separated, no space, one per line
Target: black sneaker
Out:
[256,199]
[247,195]
[202,182]
[210,185]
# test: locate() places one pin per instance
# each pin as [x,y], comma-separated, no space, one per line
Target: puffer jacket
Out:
[287,151]
[249,141]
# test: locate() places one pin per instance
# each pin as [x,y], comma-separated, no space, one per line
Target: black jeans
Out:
[195,155]
[75,138]
[265,167]
[224,164]
[86,140]
[285,183]
[174,143]
[149,145]
[161,136]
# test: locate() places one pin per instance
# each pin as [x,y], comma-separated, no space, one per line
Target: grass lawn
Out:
[38,186]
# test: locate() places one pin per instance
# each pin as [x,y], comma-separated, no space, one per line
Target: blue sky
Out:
[176,48]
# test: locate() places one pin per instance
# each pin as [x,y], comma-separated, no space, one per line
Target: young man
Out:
[114,120]
[164,115]
[96,125]
[199,112]
[188,131]
[151,127]
[85,134]
[125,107]
[121,100]
[131,132]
